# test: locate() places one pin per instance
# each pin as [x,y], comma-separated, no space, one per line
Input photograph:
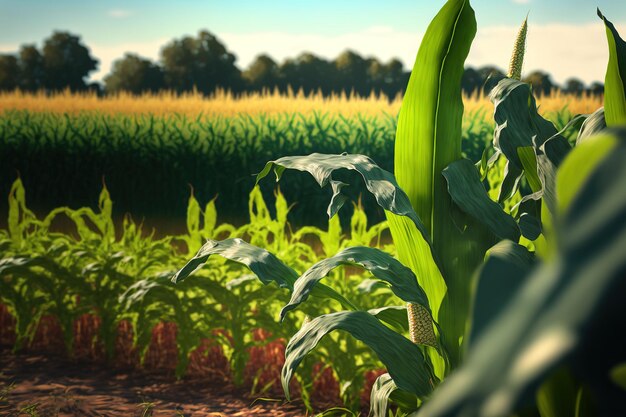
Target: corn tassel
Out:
[421,325]
[517,58]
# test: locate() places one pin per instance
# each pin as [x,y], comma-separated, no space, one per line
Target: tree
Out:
[574,86]
[202,62]
[352,73]
[541,82]
[309,73]
[596,88]
[9,72]
[471,80]
[262,73]
[66,62]
[32,72]
[135,75]
[490,77]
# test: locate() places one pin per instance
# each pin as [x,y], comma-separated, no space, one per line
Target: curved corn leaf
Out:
[404,360]
[379,182]
[615,80]
[394,316]
[518,123]
[428,139]
[379,396]
[530,226]
[469,194]
[385,389]
[506,266]
[570,306]
[267,267]
[382,265]
[594,124]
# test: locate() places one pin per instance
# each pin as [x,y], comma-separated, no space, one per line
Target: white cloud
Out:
[521,1]
[119,13]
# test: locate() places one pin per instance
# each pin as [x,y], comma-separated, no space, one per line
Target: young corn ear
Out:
[421,325]
[517,58]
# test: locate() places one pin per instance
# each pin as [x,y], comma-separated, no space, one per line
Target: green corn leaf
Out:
[594,124]
[567,307]
[394,316]
[518,123]
[379,182]
[382,265]
[267,267]
[528,158]
[530,226]
[615,80]
[428,139]
[469,194]
[497,281]
[404,360]
[383,391]
[379,396]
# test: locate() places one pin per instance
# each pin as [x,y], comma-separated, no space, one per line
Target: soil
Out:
[38,385]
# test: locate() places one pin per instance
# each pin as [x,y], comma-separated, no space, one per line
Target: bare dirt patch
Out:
[34,384]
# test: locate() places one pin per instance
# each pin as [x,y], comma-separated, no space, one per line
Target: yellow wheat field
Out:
[225,104]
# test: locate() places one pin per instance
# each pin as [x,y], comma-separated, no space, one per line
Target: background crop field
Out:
[151,150]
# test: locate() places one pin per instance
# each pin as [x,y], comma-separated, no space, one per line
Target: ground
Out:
[36,385]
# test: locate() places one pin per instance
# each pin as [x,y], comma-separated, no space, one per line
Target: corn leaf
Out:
[568,307]
[379,182]
[615,80]
[428,139]
[506,266]
[384,390]
[267,267]
[394,316]
[594,124]
[469,194]
[380,264]
[404,360]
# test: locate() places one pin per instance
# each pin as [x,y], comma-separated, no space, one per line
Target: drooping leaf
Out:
[469,194]
[382,265]
[615,80]
[267,267]
[384,390]
[503,273]
[530,226]
[404,360]
[379,182]
[593,125]
[379,396]
[517,119]
[570,306]
[395,316]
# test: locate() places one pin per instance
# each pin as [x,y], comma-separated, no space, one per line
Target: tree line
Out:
[204,63]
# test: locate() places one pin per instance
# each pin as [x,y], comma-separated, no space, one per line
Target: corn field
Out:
[63,153]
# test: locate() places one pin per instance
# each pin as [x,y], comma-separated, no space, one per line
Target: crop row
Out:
[98,294]
[149,162]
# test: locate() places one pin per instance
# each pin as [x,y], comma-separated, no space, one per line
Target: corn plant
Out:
[443,222]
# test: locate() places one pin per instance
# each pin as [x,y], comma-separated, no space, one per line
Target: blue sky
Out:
[566,37]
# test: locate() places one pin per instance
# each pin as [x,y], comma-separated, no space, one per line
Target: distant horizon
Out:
[566,39]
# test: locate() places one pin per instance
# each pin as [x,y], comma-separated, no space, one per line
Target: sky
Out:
[566,38]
